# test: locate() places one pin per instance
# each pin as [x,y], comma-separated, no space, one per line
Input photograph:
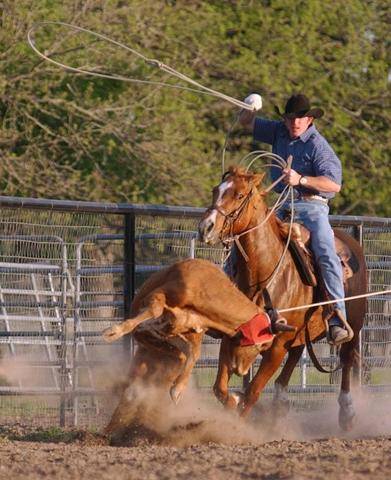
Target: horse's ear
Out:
[257,178]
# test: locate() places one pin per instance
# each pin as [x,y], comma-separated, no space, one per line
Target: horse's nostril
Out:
[205,227]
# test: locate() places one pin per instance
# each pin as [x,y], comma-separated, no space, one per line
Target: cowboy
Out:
[316,175]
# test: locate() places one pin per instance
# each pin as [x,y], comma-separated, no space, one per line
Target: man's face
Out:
[297,126]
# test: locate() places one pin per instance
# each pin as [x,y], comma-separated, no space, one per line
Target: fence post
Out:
[64,339]
[357,366]
[129,271]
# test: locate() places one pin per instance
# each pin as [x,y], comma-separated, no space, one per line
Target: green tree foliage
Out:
[66,135]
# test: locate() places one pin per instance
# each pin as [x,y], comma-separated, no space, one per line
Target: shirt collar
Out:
[308,133]
[304,137]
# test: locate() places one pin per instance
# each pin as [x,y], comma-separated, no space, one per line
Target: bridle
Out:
[230,218]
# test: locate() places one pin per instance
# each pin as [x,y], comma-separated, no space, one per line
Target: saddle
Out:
[310,275]
[302,255]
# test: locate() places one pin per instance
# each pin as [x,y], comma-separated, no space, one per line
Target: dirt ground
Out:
[204,445]
[197,439]
[285,459]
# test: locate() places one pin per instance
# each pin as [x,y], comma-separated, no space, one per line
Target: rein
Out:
[236,213]
[313,356]
[270,310]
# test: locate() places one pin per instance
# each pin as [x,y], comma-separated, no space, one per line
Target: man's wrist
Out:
[303,181]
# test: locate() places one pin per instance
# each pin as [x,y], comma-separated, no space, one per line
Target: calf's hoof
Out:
[175,394]
[234,401]
[113,333]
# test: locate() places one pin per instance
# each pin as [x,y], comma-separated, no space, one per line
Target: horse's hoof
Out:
[281,408]
[347,415]
[281,403]
[346,421]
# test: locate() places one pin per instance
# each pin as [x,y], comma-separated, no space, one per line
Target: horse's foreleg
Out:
[280,399]
[224,372]
[271,361]
[349,354]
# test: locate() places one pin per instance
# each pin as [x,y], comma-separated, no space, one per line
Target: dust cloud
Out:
[199,418]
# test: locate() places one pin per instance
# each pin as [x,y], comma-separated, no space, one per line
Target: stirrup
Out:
[337,337]
[350,334]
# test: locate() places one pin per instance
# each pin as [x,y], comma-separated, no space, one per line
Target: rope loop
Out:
[200,89]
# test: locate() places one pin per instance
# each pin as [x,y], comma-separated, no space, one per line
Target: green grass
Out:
[47,435]
[50,435]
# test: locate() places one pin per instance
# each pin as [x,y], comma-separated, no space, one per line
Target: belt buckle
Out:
[312,198]
[319,198]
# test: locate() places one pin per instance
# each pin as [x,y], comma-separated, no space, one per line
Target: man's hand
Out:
[247,117]
[255,100]
[292,178]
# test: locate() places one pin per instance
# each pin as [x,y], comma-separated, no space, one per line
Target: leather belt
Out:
[312,197]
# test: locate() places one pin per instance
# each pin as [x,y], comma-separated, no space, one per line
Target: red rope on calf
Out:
[256,331]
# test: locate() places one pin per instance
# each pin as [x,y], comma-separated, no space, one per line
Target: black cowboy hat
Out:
[299,106]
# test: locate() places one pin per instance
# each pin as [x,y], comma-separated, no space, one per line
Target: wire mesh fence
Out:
[68,271]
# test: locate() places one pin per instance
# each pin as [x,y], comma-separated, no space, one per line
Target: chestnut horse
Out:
[239,207]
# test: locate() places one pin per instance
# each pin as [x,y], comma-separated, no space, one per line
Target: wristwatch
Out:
[303,180]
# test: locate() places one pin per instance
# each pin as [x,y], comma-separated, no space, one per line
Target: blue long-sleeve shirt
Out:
[312,154]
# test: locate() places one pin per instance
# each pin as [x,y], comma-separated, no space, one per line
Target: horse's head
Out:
[229,213]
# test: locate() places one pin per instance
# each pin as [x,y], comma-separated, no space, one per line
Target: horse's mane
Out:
[237,171]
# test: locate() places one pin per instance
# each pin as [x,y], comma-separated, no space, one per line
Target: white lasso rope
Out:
[328,302]
[156,63]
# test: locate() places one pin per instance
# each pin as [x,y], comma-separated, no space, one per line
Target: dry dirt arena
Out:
[206,443]
[319,459]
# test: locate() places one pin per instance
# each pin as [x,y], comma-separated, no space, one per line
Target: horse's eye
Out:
[239,196]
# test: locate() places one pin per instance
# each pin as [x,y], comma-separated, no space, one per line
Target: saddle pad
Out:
[256,331]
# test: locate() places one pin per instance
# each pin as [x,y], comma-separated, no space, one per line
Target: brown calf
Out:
[172,311]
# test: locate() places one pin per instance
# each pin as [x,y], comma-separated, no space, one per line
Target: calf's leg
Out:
[190,353]
[220,387]
[154,309]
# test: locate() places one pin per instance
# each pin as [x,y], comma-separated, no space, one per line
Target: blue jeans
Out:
[314,215]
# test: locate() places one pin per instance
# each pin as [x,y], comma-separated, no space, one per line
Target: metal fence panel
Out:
[67,271]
